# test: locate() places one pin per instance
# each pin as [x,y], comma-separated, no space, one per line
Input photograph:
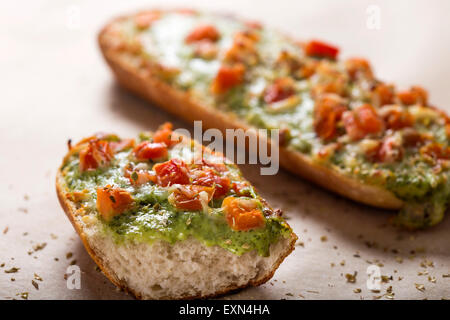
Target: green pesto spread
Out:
[417,178]
[153,217]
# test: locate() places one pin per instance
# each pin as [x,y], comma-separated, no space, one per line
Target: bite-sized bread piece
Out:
[339,126]
[165,218]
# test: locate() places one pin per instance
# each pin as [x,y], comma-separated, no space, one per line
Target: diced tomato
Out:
[227,78]
[123,144]
[164,135]
[191,197]
[321,49]
[358,66]
[328,111]
[147,150]
[436,151]
[206,50]
[390,151]
[240,187]
[396,120]
[414,95]
[203,32]
[96,154]
[242,214]
[281,89]
[383,94]
[112,201]
[144,19]
[243,49]
[362,121]
[172,172]
[208,178]
[413,138]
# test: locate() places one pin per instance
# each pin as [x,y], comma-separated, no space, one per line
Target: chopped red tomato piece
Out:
[208,178]
[414,95]
[383,94]
[164,135]
[123,144]
[396,119]
[227,78]
[362,121]
[191,197]
[281,89]
[321,49]
[390,150]
[172,172]
[96,154]
[242,214]
[112,201]
[244,48]
[358,66]
[413,138]
[144,19]
[147,150]
[206,50]
[240,187]
[436,151]
[203,32]
[328,111]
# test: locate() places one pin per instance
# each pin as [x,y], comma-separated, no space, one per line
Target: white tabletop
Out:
[56,86]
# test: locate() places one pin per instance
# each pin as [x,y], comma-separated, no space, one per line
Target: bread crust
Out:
[145,83]
[70,210]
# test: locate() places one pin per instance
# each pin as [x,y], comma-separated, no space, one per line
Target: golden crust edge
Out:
[179,103]
[68,208]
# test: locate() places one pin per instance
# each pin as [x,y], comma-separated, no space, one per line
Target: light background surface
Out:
[55,86]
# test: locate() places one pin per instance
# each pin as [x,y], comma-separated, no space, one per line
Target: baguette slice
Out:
[148,80]
[159,269]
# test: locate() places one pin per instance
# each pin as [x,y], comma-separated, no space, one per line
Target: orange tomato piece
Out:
[242,214]
[208,178]
[414,95]
[383,94]
[358,66]
[227,78]
[321,49]
[203,32]
[390,151]
[147,150]
[123,144]
[397,120]
[436,151]
[362,121]
[96,154]
[112,201]
[164,135]
[172,172]
[328,111]
[191,197]
[281,89]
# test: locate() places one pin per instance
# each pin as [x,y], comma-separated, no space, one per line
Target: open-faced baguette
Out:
[158,269]
[367,141]
[145,81]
